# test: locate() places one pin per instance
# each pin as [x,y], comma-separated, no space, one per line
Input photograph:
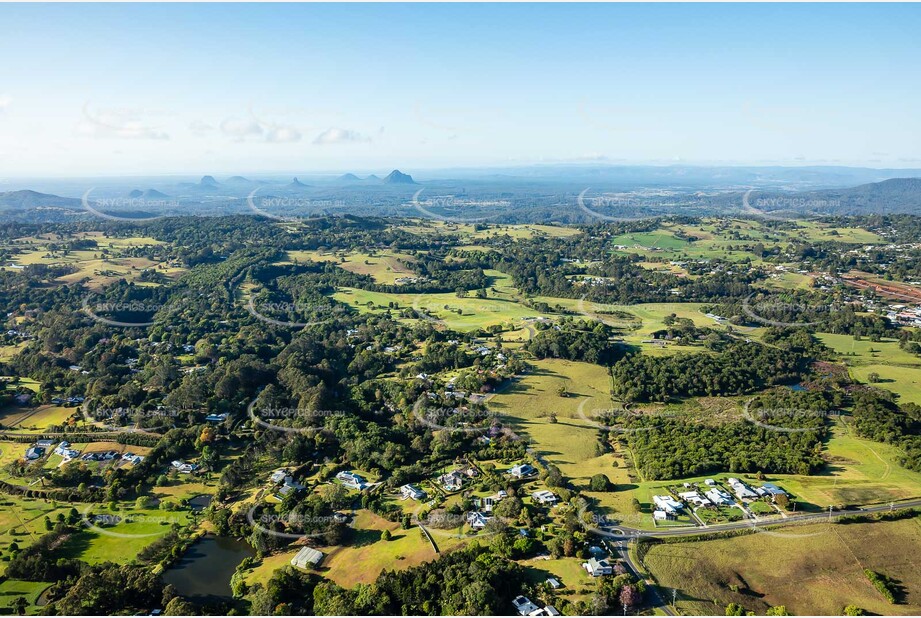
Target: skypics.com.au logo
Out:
[612,203]
[460,419]
[132,209]
[785,208]
[269,206]
[126,313]
[289,420]
[776,313]
[263,310]
[438,206]
[105,522]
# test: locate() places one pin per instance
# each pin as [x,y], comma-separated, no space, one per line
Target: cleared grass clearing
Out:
[12,589]
[816,570]
[859,472]
[35,419]
[468,231]
[900,371]
[7,352]
[462,314]
[814,230]
[23,520]
[406,548]
[567,571]
[790,281]
[122,541]
[903,381]
[28,383]
[91,264]
[384,267]
[864,351]
[570,442]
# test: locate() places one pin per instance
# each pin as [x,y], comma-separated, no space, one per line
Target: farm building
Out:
[307,557]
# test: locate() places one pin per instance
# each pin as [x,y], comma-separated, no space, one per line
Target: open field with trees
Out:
[810,569]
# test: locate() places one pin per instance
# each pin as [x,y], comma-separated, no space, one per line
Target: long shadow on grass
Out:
[362,538]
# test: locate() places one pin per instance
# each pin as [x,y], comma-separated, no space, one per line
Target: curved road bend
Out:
[621,542]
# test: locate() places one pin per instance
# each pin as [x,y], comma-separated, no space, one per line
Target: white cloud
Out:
[118,123]
[339,136]
[240,129]
[5,101]
[253,129]
[282,134]
[200,127]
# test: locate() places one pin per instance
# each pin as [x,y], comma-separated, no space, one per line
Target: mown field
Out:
[570,442]
[384,266]
[813,569]
[101,266]
[13,589]
[899,371]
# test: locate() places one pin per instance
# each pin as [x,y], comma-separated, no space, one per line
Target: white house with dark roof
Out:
[411,491]
[522,470]
[597,568]
[667,504]
[524,606]
[351,480]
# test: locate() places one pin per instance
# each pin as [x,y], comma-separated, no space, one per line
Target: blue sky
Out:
[129,89]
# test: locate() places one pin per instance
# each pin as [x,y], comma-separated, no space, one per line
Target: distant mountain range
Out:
[396,177]
[521,201]
[894,196]
[27,199]
[149,194]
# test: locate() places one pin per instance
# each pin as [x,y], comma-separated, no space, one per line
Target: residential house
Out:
[524,606]
[352,480]
[452,481]
[667,504]
[597,568]
[693,497]
[183,467]
[770,489]
[522,470]
[718,497]
[411,491]
[544,497]
[741,490]
[477,520]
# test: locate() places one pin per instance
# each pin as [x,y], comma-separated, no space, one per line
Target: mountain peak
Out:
[396,177]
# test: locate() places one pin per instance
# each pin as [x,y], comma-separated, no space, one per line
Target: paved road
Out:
[620,542]
[624,532]
[622,549]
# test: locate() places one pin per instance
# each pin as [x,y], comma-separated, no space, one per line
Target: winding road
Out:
[620,540]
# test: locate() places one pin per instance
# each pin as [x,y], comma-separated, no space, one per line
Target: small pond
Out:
[207,567]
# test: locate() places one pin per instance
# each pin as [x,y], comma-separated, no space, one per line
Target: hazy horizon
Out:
[165,90]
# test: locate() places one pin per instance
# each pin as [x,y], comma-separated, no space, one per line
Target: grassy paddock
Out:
[814,569]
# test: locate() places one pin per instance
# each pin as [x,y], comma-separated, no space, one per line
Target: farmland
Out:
[821,569]
[487,366]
